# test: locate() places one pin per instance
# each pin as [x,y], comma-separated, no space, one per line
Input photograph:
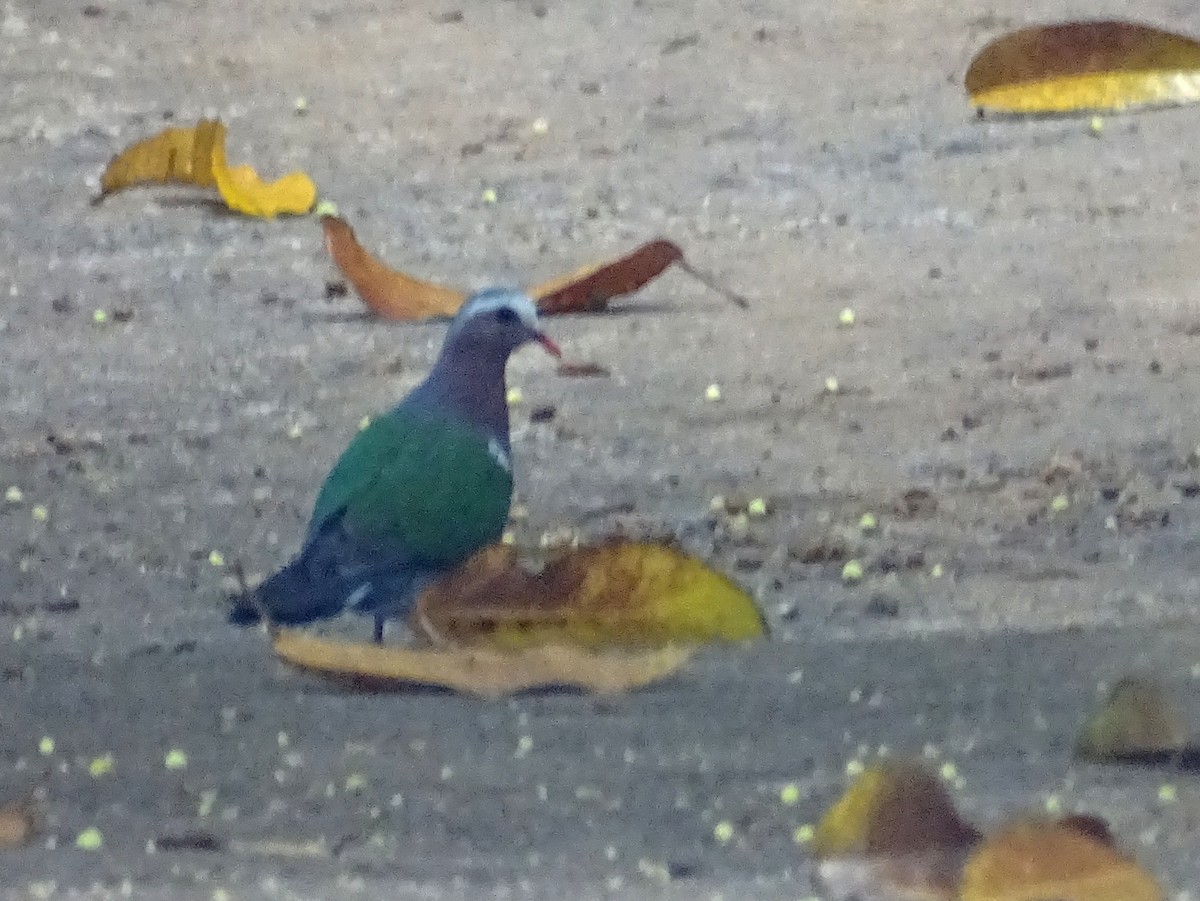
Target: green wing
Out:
[421,484]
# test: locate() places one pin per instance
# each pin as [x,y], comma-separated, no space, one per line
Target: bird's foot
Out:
[378,629]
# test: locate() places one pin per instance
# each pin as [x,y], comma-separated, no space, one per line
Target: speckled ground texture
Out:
[1028,321]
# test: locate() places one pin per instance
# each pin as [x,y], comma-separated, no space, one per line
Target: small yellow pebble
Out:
[832,386]
[1096,125]
[1167,794]
[1060,503]
[937,571]
[508,537]
[1053,804]
[541,125]
[325,208]
[300,105]
[949,771]
[514,396]
[758,507]
[91,839]
[101,766]
[39,513]
[717,504]
[868,523]
[175,759]
[855,767]
[364,422]
[355,783]
[803,835]
[712,393]
[489,195]
[789,794]
[295,430]
[723,832]
[99,316]
[852,571]
[216,558]
[846,317]
[46,746]
[14,495]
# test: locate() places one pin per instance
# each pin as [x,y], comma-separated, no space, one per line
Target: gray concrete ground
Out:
[1028,319]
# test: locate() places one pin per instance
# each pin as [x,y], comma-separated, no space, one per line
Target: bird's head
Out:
[499,320]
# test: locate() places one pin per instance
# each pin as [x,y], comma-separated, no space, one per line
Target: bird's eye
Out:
[506,314]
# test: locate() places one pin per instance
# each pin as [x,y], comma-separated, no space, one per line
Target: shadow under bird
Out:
[418,490]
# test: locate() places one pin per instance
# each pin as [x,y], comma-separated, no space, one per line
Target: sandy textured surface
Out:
[1028,320]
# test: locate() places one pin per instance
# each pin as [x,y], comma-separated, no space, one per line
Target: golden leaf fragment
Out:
[591,287]
[1077,66]
[1033,860]
[244,192]
[1137,719]
[479,671]
[617,593]
[387,292]
[892,809]
[173,156]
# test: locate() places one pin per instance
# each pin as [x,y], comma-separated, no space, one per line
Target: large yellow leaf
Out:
[1038,860]
[480,671]
[1074,66]
[244,192]
[619,593]
[175,156]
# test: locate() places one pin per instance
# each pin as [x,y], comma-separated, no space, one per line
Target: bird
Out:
[417,491]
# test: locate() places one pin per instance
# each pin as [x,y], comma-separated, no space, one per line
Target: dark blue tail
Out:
[292,596]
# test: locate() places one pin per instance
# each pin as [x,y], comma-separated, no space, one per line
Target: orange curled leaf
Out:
[1035,859]
[388,292]
[1076,66]
[173,156]
[618,593]
[479,671]
[591,287]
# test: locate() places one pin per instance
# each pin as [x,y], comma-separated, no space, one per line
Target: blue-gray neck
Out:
[468,380]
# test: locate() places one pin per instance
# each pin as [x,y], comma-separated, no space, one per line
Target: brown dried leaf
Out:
[1073,66]
[17,824]
[892,809]
[1037,859]
[1136,719]
[591,288]
[388,292]
[175,156]
[484,672]
[618,593]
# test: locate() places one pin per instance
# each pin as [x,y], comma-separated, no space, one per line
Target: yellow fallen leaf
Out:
[196,156]
[617,593]
[174,156]
[479,671]
[1035,860]
[1077,66]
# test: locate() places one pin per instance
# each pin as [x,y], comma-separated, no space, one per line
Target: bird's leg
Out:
[378,628]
